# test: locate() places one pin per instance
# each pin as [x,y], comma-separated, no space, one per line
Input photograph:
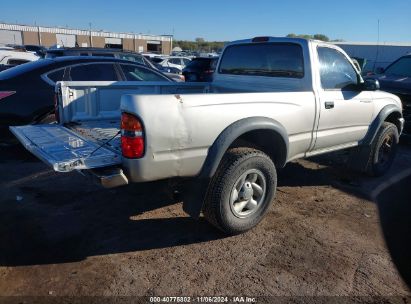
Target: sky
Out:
[223,20]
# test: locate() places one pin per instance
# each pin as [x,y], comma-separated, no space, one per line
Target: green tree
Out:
[321,37]
[306,36]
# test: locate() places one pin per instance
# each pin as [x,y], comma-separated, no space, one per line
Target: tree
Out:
[306,36]
[321,37]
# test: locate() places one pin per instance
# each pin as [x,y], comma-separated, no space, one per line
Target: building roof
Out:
[381,43]
[94,33]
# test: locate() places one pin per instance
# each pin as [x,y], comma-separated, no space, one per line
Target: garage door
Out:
[66,40]
[113,41]
[12,37]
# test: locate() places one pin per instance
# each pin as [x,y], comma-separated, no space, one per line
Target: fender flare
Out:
[360,157]
[196,190]
[234,131]
[377,123]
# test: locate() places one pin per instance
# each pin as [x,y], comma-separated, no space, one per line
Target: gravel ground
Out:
[63,236]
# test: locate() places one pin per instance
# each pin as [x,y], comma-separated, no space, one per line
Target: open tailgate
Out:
[64,149]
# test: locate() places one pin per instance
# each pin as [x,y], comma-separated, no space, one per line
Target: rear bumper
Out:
[110,177]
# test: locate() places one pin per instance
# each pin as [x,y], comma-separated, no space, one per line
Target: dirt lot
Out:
[61,235]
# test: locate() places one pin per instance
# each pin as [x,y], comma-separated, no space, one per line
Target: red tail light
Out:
[4,94]
[132,136]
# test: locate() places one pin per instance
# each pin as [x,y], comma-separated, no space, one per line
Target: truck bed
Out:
[104,132]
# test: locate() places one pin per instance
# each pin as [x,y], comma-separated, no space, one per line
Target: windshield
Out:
[402,67]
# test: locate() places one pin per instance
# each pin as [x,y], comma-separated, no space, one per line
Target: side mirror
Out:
[379,70]
[371,85]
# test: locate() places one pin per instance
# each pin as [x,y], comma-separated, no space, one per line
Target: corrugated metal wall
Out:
[377,56]
[13,37]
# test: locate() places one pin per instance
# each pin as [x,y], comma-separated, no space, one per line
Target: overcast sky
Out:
[223,20]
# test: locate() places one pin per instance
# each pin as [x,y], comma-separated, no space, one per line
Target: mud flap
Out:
[359,158]
[194,193]
[63,149]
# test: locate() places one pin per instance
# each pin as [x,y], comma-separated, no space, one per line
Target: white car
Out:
[9,56]
[174,62]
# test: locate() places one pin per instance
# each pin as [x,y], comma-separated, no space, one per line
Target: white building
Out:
[377,55]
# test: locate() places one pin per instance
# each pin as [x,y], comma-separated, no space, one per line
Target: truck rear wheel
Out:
[241,191]
[383,150]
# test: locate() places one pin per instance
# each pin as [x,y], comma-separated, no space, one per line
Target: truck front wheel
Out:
[241,191]
[383,150]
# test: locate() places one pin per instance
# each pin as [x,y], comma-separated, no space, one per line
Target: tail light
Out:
[132,136]
[4,94]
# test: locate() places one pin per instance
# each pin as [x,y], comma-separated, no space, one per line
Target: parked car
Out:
[91,51]
[271,101]
[106,52]
[174,62]
[10,57]
[396,79]
[200,69]
[173,73]
[27,91]
[35,49]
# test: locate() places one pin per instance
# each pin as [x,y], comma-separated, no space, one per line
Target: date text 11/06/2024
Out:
[235,299]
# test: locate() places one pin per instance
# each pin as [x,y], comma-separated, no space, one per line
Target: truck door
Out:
[345,110]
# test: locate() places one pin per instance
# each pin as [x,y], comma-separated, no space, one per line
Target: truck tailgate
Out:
[64,149]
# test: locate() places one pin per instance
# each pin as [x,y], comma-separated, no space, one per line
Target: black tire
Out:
[236,163]
[383,150]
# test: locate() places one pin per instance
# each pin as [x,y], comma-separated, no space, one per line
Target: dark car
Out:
[27,91]
[200,69]
[396,79]
[92,51]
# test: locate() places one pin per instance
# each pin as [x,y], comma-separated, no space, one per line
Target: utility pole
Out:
[91,37]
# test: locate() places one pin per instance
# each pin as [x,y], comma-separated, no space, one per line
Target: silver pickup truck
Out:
[272,100]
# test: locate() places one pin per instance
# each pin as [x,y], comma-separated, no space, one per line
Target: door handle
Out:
[329,104]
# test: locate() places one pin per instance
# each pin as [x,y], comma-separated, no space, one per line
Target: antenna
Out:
[378,45]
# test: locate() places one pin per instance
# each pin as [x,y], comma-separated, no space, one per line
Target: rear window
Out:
[24,68]
[94,72]
[203,62]
[267,59]
[135,73]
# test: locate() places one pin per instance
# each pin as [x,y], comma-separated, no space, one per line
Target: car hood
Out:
[394,84]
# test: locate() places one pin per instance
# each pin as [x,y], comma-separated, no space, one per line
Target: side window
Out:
[94,72]
[336,71]
[175,61]
[131,58]
[56,75]
[186,61]
[135,73]
[16,61]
